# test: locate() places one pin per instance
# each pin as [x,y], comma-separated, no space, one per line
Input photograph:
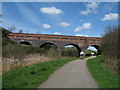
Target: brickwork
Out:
[81,43]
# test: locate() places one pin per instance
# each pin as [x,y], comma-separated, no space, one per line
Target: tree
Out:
[109,46]
[20,31]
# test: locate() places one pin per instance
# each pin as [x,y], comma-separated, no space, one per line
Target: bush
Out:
[17,51]
[70,51]
[52,52]
[13,50]
[5,41]
[109,46]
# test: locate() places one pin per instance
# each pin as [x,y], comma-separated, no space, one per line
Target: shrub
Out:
[13,50]
[109,46]
[52,52]
[5,41]
[17,51]
[70,51]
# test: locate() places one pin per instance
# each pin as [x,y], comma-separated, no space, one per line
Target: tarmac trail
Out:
[72,75]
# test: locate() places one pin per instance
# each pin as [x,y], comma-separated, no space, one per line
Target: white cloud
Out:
[64,24]
[85,12]
[92,5]
[77,29]
[91,8]
[51,10]
[81,35]
[110,16]
[46,26]
[84,26]
[57,33]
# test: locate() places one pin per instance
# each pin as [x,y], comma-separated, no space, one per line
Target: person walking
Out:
[92,53]
[82,54]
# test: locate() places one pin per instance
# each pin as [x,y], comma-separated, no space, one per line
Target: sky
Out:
[87,19]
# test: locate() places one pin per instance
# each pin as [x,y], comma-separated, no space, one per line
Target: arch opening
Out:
[25,43]
[49,49]
[93,50]
[71,50]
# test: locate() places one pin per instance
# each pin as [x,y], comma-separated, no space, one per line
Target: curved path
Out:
[72,75]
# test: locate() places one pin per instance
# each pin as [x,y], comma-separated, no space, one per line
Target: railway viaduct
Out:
[60,41]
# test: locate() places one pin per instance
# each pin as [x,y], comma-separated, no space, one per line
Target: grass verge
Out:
[31,76]
[104,77]
[0,81]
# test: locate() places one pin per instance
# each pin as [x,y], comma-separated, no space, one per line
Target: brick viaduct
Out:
[60,41]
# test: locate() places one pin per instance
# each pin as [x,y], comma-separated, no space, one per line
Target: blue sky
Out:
[60,18]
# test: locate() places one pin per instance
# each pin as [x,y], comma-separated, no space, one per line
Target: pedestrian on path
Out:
[82,54]
[92,53]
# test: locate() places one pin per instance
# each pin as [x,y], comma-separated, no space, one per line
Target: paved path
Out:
[72,75]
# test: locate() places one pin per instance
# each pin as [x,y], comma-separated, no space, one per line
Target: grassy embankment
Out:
[104,77]
[31,76]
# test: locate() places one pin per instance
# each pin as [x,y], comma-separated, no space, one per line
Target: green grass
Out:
[104,77]
[31,76]
[0,81]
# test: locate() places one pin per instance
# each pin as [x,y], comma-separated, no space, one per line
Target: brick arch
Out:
[97,47]
[53,43]
[47,43]
[75,45]
[23,42]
